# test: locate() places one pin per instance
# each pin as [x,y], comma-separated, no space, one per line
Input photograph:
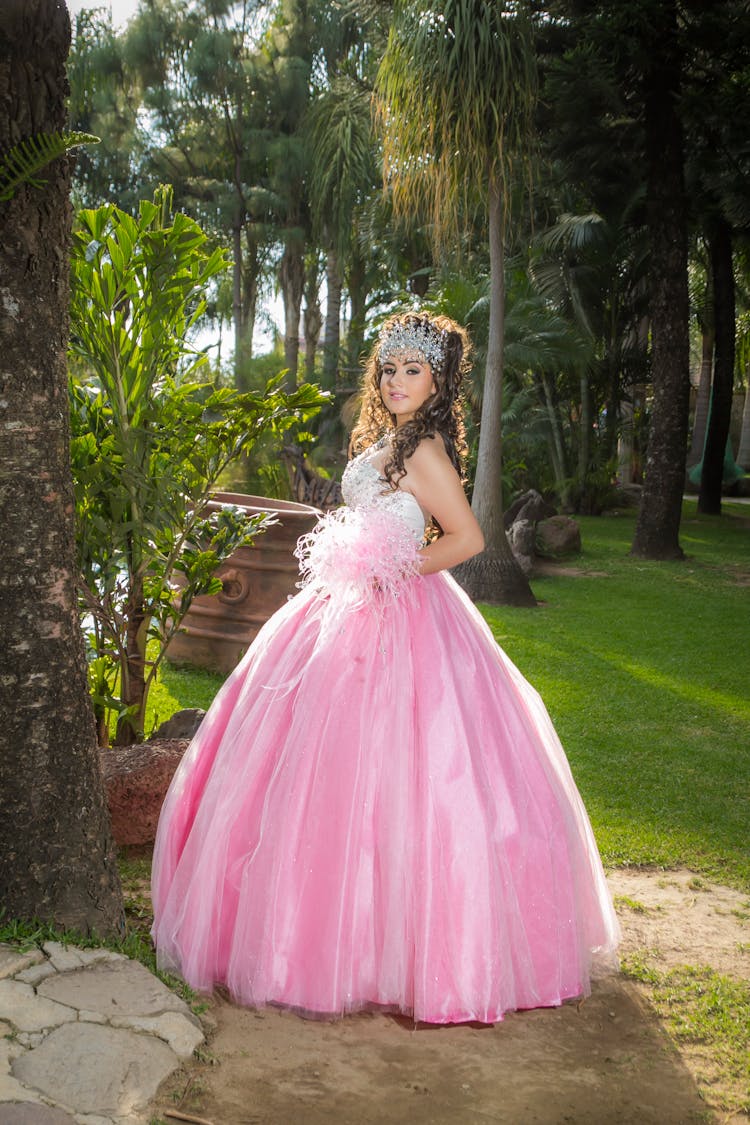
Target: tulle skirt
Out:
[377,812]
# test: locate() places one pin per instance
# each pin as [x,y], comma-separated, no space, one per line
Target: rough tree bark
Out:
[709,497]
[56,856]
[292,281]
[658,526]
[494,575]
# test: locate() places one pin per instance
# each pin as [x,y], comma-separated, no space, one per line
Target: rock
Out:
[557,536]
[183,724]
[530,506]
[536,509]
[115,1072]
[12,960]
[125,988]
[521,539]
[28,1011]
[628,495]
[136,779]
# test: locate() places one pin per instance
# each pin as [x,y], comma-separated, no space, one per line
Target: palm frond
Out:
[454,99]
[22,163]
[343,160]
[573,232]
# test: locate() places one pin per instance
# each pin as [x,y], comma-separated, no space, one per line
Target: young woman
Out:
[376,811]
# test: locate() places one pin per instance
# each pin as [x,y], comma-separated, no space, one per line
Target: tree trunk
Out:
[248,307]
[625,443]
[658,526]
[612,422]
[709,497]
[133,688]
[702,398]
[584,443]
[239,373]
[743,455]
[556,442]
[494,575]
[292,280]
[57,860]
[313,319]
[332,334]
[358,292]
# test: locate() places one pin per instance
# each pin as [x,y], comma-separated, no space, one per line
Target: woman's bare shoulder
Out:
[430,453]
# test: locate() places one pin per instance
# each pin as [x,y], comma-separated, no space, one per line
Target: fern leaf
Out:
[20,164]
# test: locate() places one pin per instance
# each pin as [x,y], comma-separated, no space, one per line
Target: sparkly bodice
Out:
[362,486]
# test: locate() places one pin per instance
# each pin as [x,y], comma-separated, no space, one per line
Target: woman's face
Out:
[405,384]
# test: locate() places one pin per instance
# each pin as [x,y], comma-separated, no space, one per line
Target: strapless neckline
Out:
[361,487]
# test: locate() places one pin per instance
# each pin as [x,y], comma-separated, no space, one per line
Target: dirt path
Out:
[605,1061]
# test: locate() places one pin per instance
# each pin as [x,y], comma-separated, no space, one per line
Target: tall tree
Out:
[289,46]
[106,100]
[456,92]
[658,527]
[591,269]
[343,170]
[717,432]
[718,164]
[56,855]
[206,87]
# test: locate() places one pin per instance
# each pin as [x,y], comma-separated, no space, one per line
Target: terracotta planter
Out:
[218,629]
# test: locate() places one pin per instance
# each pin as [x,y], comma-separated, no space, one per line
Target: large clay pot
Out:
[218,628]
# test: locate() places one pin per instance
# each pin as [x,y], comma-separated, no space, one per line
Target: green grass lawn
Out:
[178,687]
[645,669]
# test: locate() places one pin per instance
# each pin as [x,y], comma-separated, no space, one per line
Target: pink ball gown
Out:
[376,811]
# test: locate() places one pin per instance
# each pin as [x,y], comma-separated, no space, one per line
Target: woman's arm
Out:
[433,481]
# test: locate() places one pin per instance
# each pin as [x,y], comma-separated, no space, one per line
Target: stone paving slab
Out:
[124,988]
[22,1007]
[172,1027]
[86,1037]
[113,1068]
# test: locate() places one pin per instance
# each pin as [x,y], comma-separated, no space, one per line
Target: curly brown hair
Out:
[442,413]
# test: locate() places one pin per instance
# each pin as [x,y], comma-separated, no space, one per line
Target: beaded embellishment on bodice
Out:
[362,486]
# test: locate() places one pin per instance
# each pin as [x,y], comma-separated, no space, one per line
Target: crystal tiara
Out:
[412,341]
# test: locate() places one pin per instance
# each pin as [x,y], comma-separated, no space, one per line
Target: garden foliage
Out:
[151,434]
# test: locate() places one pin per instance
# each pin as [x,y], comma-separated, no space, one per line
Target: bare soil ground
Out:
[604,1061]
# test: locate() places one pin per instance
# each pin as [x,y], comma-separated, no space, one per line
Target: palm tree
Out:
[591,268]
[455,95]
[343,170]
[56,856]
